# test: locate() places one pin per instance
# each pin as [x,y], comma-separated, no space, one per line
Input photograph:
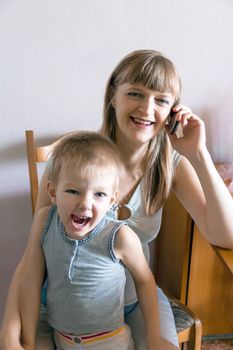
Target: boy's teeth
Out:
[81,220]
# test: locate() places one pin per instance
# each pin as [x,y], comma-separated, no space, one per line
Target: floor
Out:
[217,344]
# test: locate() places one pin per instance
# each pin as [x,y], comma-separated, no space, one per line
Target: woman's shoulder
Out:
[176,157]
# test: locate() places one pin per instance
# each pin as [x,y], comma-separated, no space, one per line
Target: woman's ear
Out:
[51,192]
[112,96]
[113,102]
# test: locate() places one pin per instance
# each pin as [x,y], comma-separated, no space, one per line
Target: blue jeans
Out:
[135,321]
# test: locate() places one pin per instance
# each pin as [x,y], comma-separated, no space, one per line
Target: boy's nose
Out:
[85,202]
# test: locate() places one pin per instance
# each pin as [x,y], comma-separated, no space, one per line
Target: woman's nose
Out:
[147,106]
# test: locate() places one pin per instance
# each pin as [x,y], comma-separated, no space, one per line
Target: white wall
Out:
[55,57]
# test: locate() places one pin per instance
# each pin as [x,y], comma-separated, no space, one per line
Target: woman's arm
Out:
[23,301]
[32,277]
[129,250]
[199,187]
[205,196]
[11,326]
[10,333]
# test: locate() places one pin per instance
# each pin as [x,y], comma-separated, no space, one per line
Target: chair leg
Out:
[194,342]
[190,345]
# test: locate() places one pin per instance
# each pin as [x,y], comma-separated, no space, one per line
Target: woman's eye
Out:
[100,194]
[134,94]
[72,191]
[162,101]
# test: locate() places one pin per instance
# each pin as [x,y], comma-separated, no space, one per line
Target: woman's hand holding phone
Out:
[192,138]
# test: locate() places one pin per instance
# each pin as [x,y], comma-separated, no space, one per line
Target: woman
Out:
[141,93]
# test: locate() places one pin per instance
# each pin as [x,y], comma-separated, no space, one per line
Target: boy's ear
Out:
[51,192]
[114,197]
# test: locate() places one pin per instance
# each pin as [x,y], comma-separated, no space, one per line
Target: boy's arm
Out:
[32,277]
[128,249]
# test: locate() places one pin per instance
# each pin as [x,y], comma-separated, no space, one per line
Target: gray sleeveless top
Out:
[146,226]
[85,278]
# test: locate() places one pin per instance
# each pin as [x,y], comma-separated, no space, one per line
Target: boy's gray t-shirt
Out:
[86,280]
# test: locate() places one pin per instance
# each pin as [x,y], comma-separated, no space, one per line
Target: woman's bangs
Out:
[157,75]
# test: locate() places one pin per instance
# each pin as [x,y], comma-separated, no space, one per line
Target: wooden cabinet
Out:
[187,266]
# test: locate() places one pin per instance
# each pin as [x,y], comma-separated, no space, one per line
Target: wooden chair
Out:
[188,326]
[35,155]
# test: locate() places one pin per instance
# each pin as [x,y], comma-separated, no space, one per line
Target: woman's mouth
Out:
[141,122]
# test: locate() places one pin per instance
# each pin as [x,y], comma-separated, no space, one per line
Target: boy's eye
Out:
[72,191]
[100,194]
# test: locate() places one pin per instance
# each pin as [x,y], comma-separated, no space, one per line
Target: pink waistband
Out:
[89,338]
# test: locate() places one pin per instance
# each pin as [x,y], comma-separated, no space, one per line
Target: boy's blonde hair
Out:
[88,151]
[156,72]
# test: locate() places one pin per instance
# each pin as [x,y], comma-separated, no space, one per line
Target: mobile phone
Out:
[172,123]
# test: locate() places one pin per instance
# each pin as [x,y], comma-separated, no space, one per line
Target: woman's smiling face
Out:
[140,112]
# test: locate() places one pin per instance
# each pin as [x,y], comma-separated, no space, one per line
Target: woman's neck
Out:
[133,157]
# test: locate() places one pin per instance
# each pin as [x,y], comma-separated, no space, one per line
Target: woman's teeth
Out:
[142,122]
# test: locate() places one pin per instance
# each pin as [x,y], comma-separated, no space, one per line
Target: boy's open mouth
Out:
[79,220]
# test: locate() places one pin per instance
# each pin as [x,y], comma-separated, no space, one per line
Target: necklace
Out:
[122,212]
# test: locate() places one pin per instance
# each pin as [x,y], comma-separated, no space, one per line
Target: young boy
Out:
[83,252]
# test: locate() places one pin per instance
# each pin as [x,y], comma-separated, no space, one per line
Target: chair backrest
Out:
[36,155]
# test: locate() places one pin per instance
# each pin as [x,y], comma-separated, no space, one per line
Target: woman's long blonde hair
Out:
[156,72]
